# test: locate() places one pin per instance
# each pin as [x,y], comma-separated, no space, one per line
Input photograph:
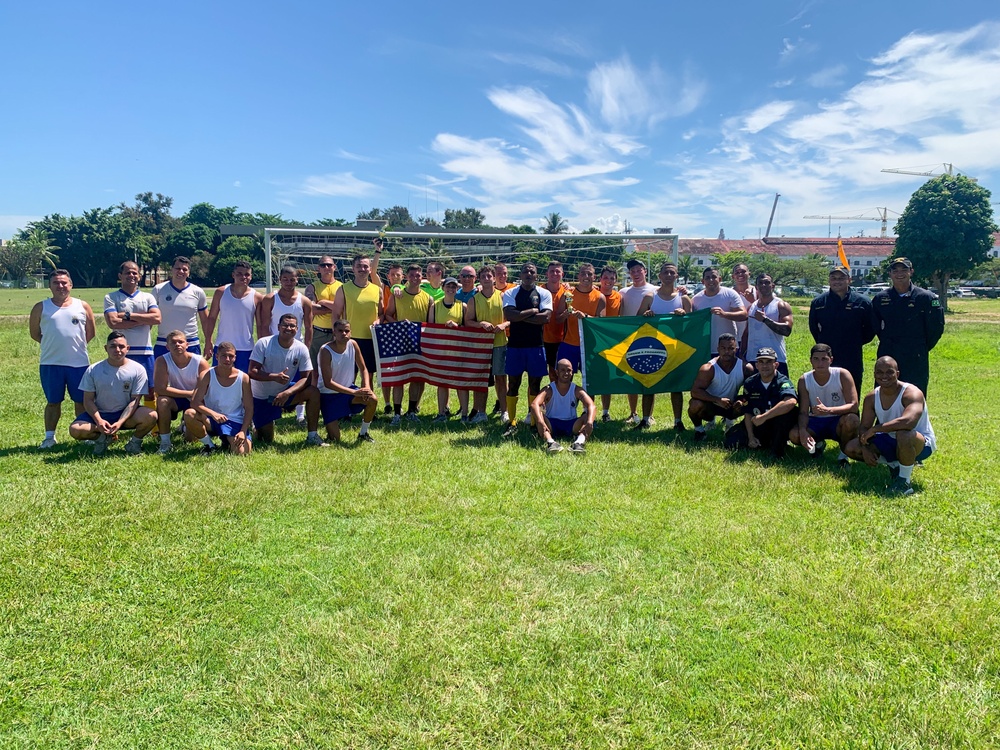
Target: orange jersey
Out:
[554,330]
[613,308]
[585,303]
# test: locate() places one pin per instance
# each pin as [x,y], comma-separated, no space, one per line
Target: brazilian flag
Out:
[659,354]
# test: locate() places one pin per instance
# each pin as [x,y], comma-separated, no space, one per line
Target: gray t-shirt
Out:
[730,301]
[275,358]
[114,387]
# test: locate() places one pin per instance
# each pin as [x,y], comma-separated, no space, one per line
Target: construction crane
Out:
[883,216]
[938,169]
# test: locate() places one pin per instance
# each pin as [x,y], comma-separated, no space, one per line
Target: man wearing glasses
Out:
[322,293]
[467,279]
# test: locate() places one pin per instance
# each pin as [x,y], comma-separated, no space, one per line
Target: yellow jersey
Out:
[490,310]
[361,308]
[413,306]
[325,292]
[443,313]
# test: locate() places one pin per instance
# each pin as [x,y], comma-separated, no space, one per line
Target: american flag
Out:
[410,352]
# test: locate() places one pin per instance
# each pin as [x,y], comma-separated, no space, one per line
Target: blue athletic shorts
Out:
[561,427]
[146,360]
[529,360]
[107,416]
[159,350]
[824,428]
[183,405]
[886,445]
[265,412]
[224,429]
[337,406]
[570,352]
[57,379]
[242,359]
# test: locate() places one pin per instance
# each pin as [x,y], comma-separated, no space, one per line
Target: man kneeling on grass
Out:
[112,389]
[339,397]
[222,405]
[895,427]
[770,411]
[555,411]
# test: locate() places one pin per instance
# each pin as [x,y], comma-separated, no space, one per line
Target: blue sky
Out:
[659,114]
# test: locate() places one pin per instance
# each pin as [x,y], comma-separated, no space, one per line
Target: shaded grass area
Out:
[448,588]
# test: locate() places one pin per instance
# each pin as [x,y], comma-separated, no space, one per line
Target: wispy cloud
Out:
[827,77]
[766,115]
[344,154]
[339,184]
[536,62]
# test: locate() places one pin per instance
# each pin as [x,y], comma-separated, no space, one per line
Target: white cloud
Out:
[832,75]
[766,115]
[339,184]
[350,156]
[536,62]
[237,183]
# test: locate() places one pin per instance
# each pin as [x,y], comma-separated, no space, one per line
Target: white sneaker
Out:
[479,418]
[164,449]
[504,417]
[317,441]
[48,443]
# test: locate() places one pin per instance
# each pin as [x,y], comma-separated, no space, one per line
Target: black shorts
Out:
[551,354]
[368,354]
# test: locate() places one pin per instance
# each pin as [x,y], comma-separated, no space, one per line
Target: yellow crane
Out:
[883,216]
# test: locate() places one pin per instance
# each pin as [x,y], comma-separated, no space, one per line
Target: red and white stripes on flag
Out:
[410,352]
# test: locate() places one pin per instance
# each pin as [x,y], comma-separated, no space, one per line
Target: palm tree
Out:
[38,240]
[555,224]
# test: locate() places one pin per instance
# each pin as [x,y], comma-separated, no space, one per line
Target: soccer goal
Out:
[303,247]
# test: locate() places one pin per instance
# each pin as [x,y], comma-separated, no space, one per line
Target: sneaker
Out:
[901,487]
[387,409]
[650,420]
[414,417]
[207,450]
[554,447]
[643,424]
[366,438]
[504,417]
[300,420]
[464,419]
[710,424]
[496,409]
[700,435]
[134,446]
[511,430]
[634,419]
[679,426]
[101,445]
[578,448]
[479,418]
[438,419]
[164,449]
[317,441]
[605,418]
[843,463]
[893,474]
[395,421]
[48,443]
[820,447]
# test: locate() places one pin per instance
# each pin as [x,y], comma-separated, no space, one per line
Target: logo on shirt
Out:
[126,387]
[169,297]
[75,321]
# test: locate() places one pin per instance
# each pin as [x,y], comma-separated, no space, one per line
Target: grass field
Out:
[445,588]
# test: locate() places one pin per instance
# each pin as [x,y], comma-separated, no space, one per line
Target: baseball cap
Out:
[633,263]
[450,280]
[840,269]
[766,352]
[901,262]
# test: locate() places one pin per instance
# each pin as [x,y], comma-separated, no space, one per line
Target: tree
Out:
[467,218]
[92,246]
[988,271]
[946,230]
[331,223]
[554,224]
[19,259]
[685,266]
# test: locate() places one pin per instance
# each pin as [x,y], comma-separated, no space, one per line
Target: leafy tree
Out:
[988,271]
[523,229]
[686,267]
[23,256]
[210,216]
[428,221]
[331,223]
[93,245]
[946,229]
[233,249]
[398,216]
[466,218]
[554,224]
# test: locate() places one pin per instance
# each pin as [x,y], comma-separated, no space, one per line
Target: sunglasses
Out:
[326,265]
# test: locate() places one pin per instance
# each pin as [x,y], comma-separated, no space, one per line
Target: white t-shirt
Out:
[179,310]
[114,388]
[632,298]
[730,301]
[275,358]
[139,339]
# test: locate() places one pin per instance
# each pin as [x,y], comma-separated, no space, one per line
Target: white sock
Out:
[164,439]
[905,472]
[605,413]
[50,434]
[364,428]
[581,439]
[300,411]
[207,440]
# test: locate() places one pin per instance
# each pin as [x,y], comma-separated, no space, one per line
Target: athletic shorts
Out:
[242,359]
[229,428]
[181,405]
[551,350]
[824,428]
[711,410]
[265,412]
[146,360]
[561,427]
[107,416]
[368,354]
[529,360]
[57,379]
[159,350]
[886,445]
[570,352]
[499,361]
[321,337]
[337,406]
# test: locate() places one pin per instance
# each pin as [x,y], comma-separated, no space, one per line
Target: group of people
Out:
[314,353]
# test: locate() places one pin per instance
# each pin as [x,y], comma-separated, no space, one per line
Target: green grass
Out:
[449,589]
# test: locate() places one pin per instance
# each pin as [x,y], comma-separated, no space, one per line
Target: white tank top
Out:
[759,335]
[831,394]
[662,306]
[562,407]
[280,308]
[236,319]
[341,367]
[226,400]
[896,410]
[183,379]
[726,384]
[64,334]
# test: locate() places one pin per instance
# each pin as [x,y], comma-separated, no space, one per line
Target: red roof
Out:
[781,246]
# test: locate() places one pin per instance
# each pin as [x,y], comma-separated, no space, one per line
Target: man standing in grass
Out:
[175,378]
[322,293]
[181,305]
[612,309]
[279,375]
[528,308]
[828,405]
[585,301]
[632,298]
[63,326]
[554,331]
[842,318]
[714,391]
[770,410]
[288,301]
[726,305]
[339,396]
[234,309]
[222,405]
[134,313]
[413,304]
[449,311]
[769,323]
[895,427]
[485,311]
[112,390]
[556,411]
[359,302]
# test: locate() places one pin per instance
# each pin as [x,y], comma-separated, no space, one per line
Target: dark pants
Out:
[773,434]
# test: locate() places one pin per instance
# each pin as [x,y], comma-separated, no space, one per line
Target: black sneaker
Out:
[387,409]
[208,450]
[366,438]
[700,435]
[642,425]
[843,463]
[820,447]
[496,409]
[901,487]
[605,418]
[679,426]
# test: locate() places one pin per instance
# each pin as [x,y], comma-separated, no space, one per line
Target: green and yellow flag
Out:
[660,354]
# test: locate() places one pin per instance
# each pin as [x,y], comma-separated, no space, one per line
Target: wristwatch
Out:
[128,315]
